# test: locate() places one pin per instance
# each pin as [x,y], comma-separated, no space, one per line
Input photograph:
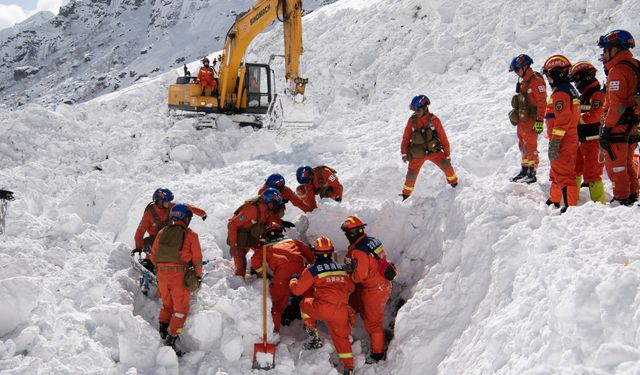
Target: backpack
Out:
[373,247]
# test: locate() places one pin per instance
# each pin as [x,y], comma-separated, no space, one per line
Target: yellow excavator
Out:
[245,87]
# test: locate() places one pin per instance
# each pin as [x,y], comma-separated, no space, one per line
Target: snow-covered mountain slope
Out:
[494,281]
[34,21]
[95,47]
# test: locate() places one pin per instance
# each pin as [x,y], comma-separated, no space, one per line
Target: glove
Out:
[136,250]
[147,263]
[6,195]
[537,126]
[554,149]
[288,224]
[204,217]
[404,158]
[295,276]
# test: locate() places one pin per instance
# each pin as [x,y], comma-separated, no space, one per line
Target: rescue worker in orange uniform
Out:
[583,74]
[529,106]
[247,224]
[276,181]
[321,181]
[175,249]
[331,286]
[154,218]
[424,139]
[206,78]
[285,257]
[562,117]
[372,288]
[619,134]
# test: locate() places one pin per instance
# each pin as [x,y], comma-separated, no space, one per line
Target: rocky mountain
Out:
[93,47]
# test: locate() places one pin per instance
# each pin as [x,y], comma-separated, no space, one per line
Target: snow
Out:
[494,280]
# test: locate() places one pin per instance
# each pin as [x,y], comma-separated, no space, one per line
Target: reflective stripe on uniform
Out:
[345,355]
[618,169]
[585,107]
[405,187]
[451,178]
[592,137]
[332,273]
[178,315]
[559,132]
[304,316]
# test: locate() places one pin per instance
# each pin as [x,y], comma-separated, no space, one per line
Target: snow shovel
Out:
[264,354]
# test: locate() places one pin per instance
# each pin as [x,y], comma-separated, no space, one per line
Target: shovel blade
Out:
[264,356]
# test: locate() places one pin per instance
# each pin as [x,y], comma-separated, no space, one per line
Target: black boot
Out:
[374,358]
[531,176]
[522,174]
[171,341]
[163,328]
[314,341]
[549,202]
[348,371]
[404,197]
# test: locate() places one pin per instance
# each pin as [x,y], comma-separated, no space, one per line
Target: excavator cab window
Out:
[258,86]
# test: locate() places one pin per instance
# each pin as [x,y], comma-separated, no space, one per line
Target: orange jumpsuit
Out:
[619,102]
[592,108]
[439,158]
[562,117]
[331,287]
[533,87]
[372,288]
[171,289]
[248,215]
[285,258]
[289,195]
[206,77]
[324,182]
[154,219]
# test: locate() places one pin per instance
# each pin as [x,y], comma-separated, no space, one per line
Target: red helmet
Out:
[582,71]
[352,222]
[272,231]
[323,246]
[556,67]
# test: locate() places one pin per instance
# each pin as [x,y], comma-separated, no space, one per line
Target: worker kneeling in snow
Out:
[331,286]
[321,181]
[175,250]
[285,257]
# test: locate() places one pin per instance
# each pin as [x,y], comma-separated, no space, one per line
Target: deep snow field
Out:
[495,282]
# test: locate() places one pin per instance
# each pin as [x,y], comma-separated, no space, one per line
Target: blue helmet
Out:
[180,212]
[520,61]
[617,38]
[275,181]
[303,174]
[419,102]
[271,197]
[163,195]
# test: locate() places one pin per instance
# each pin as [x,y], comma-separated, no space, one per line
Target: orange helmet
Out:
[352,222]
[556,67]
[323,246]
[582,71]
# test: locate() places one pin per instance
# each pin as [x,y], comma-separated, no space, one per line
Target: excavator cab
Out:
[258,88]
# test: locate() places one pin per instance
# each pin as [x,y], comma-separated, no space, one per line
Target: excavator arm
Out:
[247,26]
